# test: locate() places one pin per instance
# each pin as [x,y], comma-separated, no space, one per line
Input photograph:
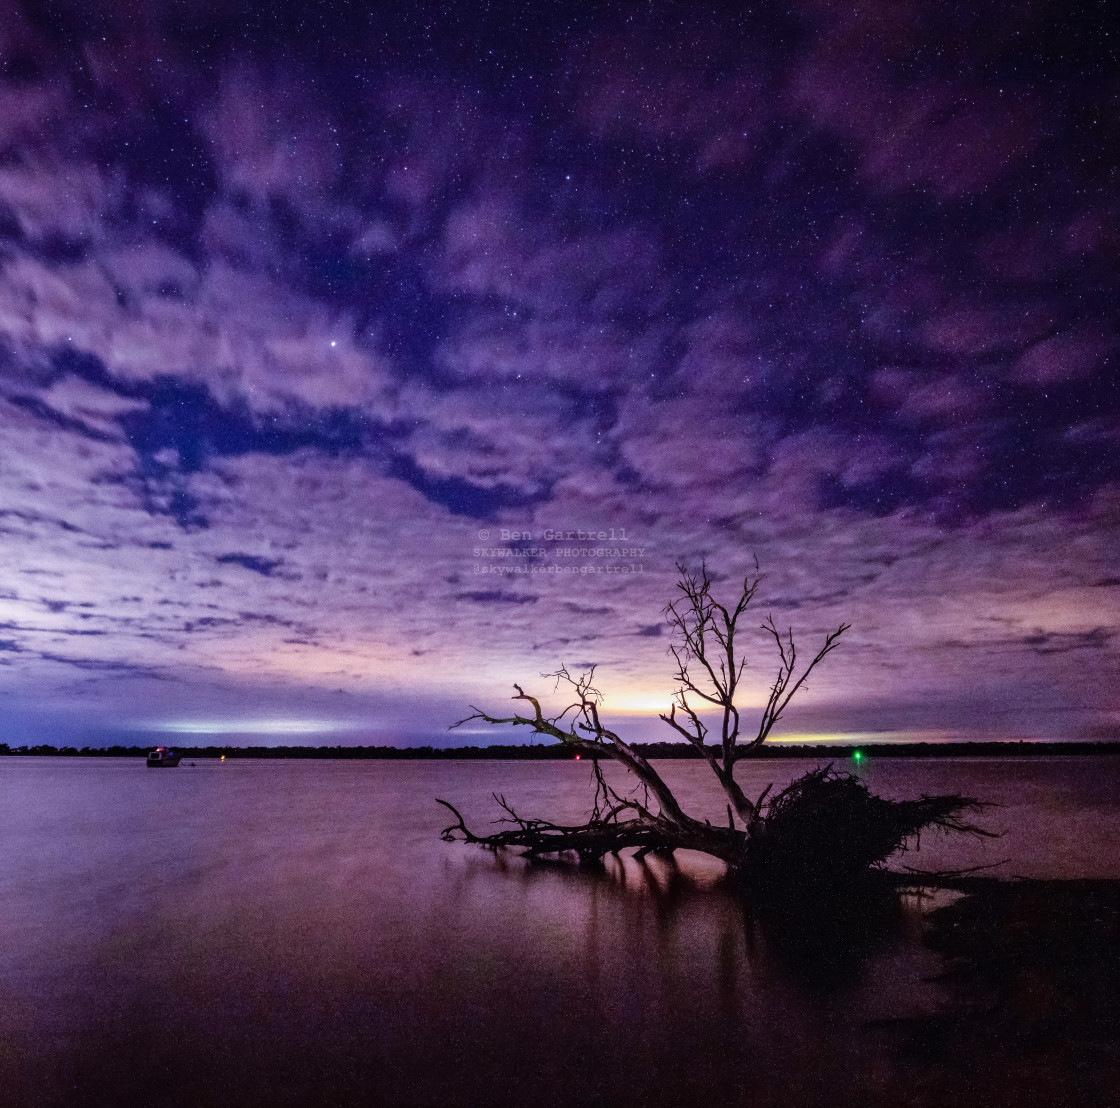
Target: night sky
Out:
[302,305]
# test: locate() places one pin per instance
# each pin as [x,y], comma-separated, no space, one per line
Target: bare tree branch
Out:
[709,669]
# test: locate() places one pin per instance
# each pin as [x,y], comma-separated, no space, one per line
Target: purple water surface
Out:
[295,933]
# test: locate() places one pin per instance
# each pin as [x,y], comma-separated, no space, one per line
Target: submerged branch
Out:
[821,832]
[596,838]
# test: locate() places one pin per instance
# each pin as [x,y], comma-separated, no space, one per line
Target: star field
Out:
[298,300]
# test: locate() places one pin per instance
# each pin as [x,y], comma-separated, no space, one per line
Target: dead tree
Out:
[760,833]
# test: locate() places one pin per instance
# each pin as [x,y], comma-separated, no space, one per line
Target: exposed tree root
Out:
[818,835]
[825,829]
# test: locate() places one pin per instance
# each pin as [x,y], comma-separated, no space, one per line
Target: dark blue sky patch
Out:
[398,313]
[461,496]
[1033,456]
[11,234]
[270,620]
[208,623]
[51,248]
[263,566]
[879,497]
[183,428]
[628,477]
[183,416]
[164,151]
[496,596]
[390,296]
[67,359]
[596,407]
[102,665]
[163,491]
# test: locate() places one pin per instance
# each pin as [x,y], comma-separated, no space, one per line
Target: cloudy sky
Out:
[301,308]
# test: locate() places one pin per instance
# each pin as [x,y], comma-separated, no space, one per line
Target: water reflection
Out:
[814,944]
[822,945]
[297,934]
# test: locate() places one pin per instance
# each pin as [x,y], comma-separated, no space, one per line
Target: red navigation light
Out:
[577,757]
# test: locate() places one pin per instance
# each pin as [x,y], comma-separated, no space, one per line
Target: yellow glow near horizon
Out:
[820,737]
[862,737]
[638,703]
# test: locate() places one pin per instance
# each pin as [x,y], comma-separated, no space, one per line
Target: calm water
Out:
[295,933]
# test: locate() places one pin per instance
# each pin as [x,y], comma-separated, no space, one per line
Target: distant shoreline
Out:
[558,752]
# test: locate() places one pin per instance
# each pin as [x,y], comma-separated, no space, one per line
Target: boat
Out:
[161,756]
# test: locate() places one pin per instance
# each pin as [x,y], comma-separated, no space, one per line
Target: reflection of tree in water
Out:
[1025,1010]
[827,943]
[807,945]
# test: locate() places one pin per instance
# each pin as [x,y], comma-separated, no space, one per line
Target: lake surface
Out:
[295,933]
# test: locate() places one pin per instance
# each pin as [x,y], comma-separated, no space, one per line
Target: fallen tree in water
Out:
[821,832]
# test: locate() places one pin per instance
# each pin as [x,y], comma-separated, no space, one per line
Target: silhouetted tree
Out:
[824,827]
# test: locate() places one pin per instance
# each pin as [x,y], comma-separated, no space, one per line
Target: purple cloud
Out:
[285,326]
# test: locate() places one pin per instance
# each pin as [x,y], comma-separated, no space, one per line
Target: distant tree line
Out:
[560,752]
